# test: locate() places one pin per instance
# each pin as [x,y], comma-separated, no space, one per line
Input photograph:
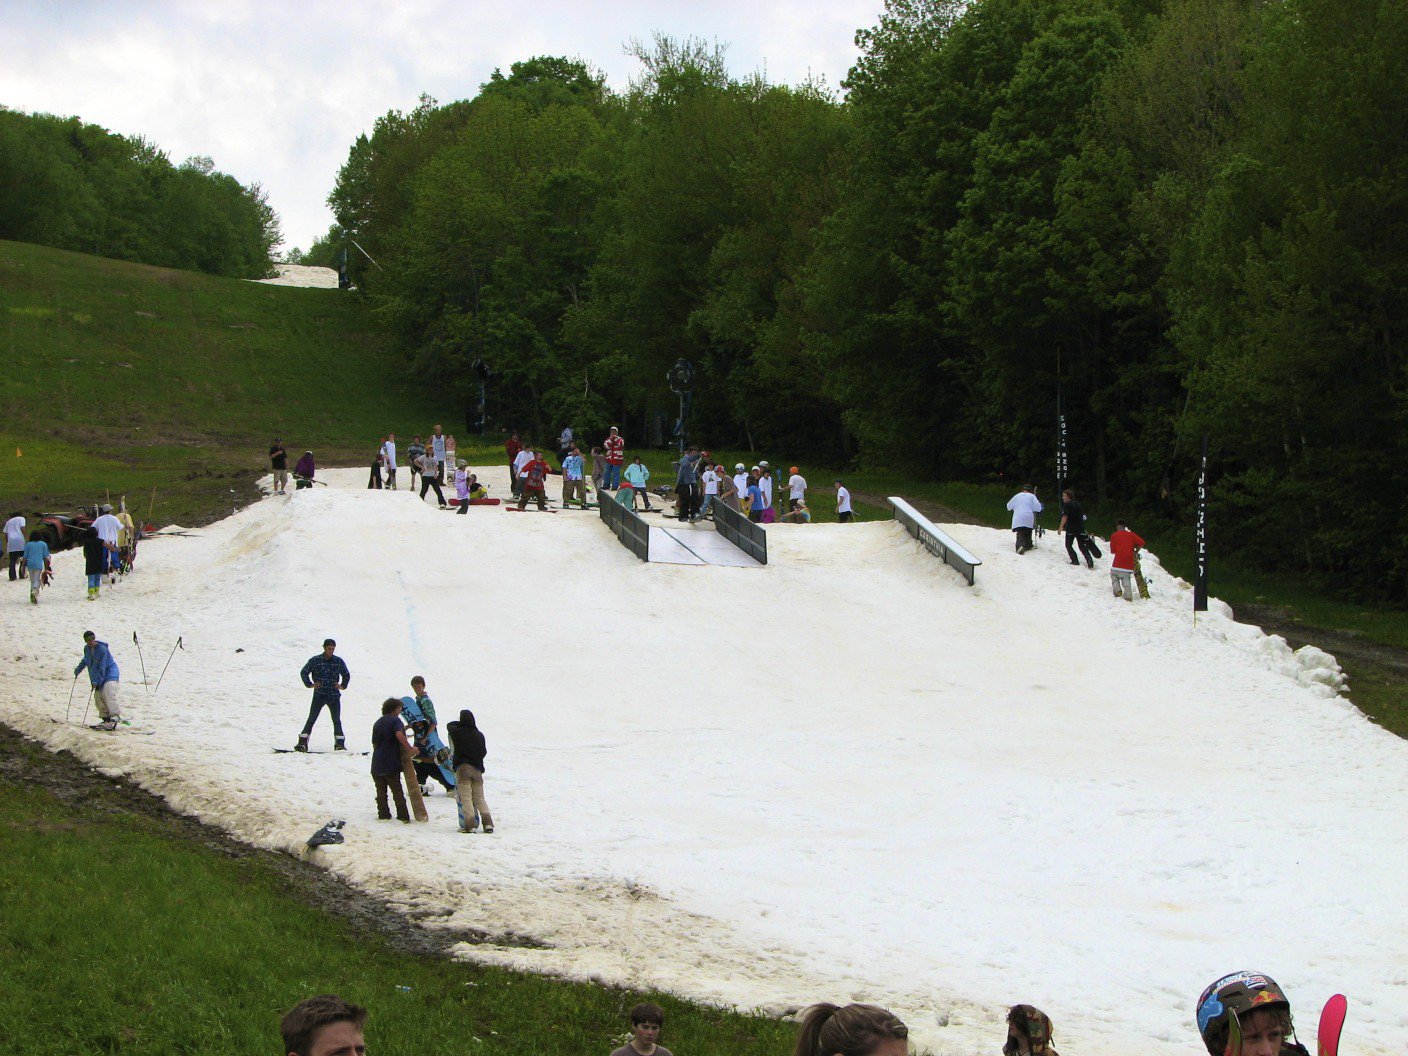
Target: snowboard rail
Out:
[935,540]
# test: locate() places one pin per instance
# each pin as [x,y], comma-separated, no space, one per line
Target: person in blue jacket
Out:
[103,674]
[327,676]
[36,562]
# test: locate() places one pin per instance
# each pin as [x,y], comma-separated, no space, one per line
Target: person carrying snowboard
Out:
[103,675]
[468,744]
[1123,545]
[533,482]
[1260,1011]
[426,766]
[327,676]
[1073,524]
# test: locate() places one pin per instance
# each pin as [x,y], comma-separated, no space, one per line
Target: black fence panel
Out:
[751,538]
[628,526]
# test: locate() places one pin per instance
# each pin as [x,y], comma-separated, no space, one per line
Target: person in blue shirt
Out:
[574,478]
[36,560]
[327,676]
[755,499]
[103,674]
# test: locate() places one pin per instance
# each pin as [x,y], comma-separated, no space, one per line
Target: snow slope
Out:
[845,775]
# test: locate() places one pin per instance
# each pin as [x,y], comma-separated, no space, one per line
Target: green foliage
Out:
[75,186]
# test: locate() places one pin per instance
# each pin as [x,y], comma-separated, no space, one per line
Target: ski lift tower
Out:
[681,379]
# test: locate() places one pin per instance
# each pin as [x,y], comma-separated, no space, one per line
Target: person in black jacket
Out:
[468,744]
[1073,524]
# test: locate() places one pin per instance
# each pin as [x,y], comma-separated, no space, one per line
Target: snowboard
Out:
[1331,1023]
[525,509]
[431,747]
[474,502]
[1139,580]
[408,770]
[315,751]
[135,730]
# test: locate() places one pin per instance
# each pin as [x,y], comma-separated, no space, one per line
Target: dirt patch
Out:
[935,511]
[24,762]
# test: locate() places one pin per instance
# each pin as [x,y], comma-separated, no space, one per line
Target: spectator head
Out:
[1262,1010]
[637,459]
[793,471]
[645,1012]
[36,536]
[1029,486]
[391,436]
[324,1026]
[596,449]
[1119,525]
[837,482]
[391,706]
[437,430]
[614,430]
[89,637]
[416,439]
[418,684]
[855,1030]
[738,467]
[1068,495]
[328,646]
[105,508]
[1028,1032]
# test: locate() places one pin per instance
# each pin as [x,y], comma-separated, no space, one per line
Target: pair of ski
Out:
[1327,1040]
[100,728]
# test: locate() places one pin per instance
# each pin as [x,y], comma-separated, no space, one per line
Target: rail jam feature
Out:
[627,525]
[751,538]
[935,540]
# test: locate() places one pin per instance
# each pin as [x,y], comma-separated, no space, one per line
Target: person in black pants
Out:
[327,676]
[1073,524]
[430,478]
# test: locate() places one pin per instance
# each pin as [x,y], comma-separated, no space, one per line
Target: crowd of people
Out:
[1241,1014]
[109,543]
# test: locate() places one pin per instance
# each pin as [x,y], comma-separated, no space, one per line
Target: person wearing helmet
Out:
[740,484]
[1260,1010]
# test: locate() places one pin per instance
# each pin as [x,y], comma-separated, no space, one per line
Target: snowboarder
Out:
[278,466]
[14,542]
[686,476]
[426,767]
[855,1030]
[1261,1011]
[574,483]
[103,675]
[36,561]
[533,480]
[327,676]
[388,743]
[430,478]
[636,477]
[615,445]
[1024,506]
[844,513]
[388,460]
[468,743]
[304,472]
[1028,1032]
[1073,524]
[1123,545]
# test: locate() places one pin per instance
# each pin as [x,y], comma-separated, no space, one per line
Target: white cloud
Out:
[277,93]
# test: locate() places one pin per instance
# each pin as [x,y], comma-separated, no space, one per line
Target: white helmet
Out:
[738,468]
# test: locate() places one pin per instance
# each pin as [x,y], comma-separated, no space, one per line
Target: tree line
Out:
[71,185]
[1175,218]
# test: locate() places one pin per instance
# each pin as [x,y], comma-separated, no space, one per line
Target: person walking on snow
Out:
[1123,545]
[388,460]
[278,466]
[1073,524]
[469,751]
[686,476]
[1024,506]
[327,676]
[615,445]
[430,478]
[103,675]
[109,530]
[14,542]
[36,561]
[637,476]
[533,481]
[95,558]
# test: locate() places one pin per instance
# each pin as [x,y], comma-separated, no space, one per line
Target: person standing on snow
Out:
[686,476]
[533,481]
[378,460]
[388,460]
[844,513]
[765,483]
[1024,506]
[740,485]
[512,446]
[14,542]
[1073,524]
[796,489]
[327,676]
[709,481]
[468,744]
[36,562]
[437,447]
[637,476]
[564,444]
[278,466]
[95,559]
[615,445]
[414,453]
[574,482]
[103,675]
[1123,545]
[430,478]
[109,530]
[388,742]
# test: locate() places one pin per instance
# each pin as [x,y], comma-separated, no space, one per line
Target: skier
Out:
[1073,524]
[430,478]
[304,471]
[278,466]
[14,542]
[414,453]
[796,489]
[388,741]
[426,770]
[1123,545]
[36,561]
[327,676]
[1024,506]
[1262,1012]
[533,480]
[637,475]
[1028,1032]
[388,452]
[856,1030]
[574,484]
[468,743]
[109,529]
[95,558]
[615,445]
[103,675]
[843,503]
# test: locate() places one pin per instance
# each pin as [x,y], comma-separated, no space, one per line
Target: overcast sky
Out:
[276,91]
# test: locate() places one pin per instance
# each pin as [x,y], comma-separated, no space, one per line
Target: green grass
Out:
[123,936]
[120,378]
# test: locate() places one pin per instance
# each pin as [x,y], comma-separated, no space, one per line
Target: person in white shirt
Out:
[796,489]
[765,486]
[437,444]
[710,480]
[388,455]
[1024,506]
[740,484]
[14,542]
[843,503]
[519,461]
[108,528]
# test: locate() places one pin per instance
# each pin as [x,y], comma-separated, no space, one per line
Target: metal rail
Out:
[934,539]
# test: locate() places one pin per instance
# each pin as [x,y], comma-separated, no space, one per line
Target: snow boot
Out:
[302,745]
[339,745]
[92,593]
[106,724]
[34,597]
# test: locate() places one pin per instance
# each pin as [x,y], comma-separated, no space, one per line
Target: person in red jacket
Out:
[615,445]
[512,446]
[533,482]
[1123,544]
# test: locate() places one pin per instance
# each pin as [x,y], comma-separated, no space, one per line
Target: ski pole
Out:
[68,709]
[141,659]
[88,705]
[159,677]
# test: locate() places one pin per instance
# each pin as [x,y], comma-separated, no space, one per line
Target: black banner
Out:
[1200,578]
[1062,465]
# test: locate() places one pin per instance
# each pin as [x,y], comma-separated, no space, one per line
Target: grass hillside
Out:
[120,378]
